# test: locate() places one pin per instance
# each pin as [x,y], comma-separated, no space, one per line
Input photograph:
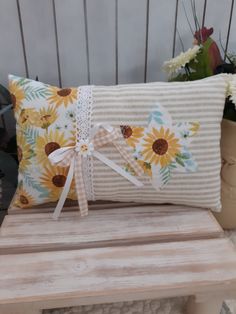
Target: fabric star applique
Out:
[162,147]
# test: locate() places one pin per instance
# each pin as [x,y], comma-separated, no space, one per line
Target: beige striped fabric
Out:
[125,105]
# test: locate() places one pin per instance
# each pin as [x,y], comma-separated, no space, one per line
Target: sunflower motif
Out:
[59,96]
[132,134]
[146,166]
[160,147]
[23,198]
[45,145]
[47,116]
[194,127]
[17,95]
[29,116]
[54,179]
[24,152]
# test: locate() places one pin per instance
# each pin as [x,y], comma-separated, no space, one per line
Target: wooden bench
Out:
[114,254]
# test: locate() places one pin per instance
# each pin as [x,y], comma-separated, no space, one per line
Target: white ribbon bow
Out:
[73,156]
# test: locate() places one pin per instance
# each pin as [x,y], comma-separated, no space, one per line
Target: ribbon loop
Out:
[73,156]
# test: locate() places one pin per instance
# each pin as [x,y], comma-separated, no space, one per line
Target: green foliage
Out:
[23,81]
[30,181]
[198,68]
[165,173]
[156,116]
[186,161]
[31,135]
[201,67]
[32,93]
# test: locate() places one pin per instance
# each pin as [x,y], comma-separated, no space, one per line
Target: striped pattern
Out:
[116,138]
[83,204]
[201,101]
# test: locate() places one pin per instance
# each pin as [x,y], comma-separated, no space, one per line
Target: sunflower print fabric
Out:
[162,148]
[45,122]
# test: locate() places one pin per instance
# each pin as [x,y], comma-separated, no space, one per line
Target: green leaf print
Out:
[31,182]
[165,173]
[31,135]
[32,93]
[23,81]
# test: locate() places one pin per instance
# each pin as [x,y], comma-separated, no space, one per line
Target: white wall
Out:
[73,42]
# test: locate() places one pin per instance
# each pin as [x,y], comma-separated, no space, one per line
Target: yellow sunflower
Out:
[146,166]
[45,145]
[54,179]
[24,152]
[17,95]
[59,96]
[161,147]
[47,116]
[29,116]
[132,134]
[195,127]
[23,198]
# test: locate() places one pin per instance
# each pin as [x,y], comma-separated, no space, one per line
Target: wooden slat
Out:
[40,40]
[164,269]
[160,38]
[101,41]
[183,29]
[231,40]
[70,206]
[131,26]
[121,226]
[219,20]
[11,49]
[71,40]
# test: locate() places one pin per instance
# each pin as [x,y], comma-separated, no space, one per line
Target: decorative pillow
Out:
[169,130]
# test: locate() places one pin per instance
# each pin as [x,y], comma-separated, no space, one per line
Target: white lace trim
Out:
[83,127]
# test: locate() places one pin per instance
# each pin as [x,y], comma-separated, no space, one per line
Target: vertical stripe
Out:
[204,13]
[57,45]
[146,44]
[229,28]
[22,38]
[175,27]
[86,38]
[116,43]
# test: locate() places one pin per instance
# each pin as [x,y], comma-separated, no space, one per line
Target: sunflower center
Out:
[24,200]
[126,131]
[50,147]
[160,146]
[13,100]
[19,153]
[64,92]
[59,180]
[45,117]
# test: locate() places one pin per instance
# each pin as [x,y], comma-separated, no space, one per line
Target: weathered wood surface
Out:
[70,206]
[120,226]
[139,271]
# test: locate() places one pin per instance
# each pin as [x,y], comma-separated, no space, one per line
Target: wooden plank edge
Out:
[37,248]
[12,210]
[73,299]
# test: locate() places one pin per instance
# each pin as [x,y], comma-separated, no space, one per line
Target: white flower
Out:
[231,88]
[174,65]
[85,148]
[232,57]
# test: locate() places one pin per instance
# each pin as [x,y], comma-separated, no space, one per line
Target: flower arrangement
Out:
[203,60]
[182,61]
[200,61]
